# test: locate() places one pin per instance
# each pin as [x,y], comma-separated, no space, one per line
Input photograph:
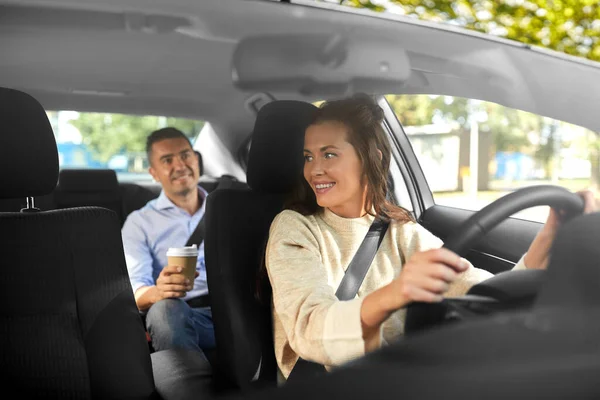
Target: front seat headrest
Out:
[276,160]
[28,153]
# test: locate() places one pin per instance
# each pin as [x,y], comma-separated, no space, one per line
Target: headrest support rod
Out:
[30,206]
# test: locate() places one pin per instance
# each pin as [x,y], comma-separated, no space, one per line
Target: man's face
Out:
[174,164]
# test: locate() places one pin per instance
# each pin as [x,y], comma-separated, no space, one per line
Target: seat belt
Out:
[197,236]
[353,278]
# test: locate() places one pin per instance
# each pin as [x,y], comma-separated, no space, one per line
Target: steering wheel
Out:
[507,289]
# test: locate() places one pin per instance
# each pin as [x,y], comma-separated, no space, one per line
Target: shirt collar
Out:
[163,202]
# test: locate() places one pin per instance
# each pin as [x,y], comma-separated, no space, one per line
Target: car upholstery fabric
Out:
[237,226]
[29,156]
[134,197]
[275,159]
[89,187]
[68,322]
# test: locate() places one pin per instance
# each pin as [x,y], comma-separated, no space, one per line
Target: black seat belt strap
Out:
[197,237]
[361,262]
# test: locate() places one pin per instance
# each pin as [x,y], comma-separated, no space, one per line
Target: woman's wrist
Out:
[376,308]
[390,299]
[537,255]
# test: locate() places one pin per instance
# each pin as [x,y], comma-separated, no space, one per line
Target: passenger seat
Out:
[69,322]
[237,227]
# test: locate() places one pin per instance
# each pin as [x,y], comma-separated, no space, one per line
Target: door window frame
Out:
[403,154]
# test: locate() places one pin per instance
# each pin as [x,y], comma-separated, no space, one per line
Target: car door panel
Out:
[498,251]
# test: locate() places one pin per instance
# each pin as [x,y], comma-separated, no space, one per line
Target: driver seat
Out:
[237,227]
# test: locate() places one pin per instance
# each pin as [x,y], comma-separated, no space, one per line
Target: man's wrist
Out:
[146,296]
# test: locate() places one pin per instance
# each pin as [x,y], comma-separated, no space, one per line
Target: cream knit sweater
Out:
[306,258]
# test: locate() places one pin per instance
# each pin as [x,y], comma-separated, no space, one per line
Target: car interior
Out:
[71,328]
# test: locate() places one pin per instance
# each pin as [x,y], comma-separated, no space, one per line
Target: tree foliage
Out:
[568,26]
[109,134]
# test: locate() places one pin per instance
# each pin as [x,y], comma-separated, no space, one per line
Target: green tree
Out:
[589,143]
[415,110]
[568,26]
[110,134]
[509,127]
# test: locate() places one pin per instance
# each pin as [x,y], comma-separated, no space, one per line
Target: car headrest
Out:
[275,161]
[28,154]
[200,162]
[573,275]
[87,180]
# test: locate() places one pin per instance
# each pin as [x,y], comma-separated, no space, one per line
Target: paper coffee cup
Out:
[184,257]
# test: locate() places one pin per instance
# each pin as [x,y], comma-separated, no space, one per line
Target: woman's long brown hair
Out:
[362,118]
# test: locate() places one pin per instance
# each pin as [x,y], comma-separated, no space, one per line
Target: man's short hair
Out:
[162,134]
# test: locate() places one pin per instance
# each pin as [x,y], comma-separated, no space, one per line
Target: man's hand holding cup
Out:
[177,278]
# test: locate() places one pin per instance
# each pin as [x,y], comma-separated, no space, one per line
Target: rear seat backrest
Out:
[136,196]
[100,187]
[89,187]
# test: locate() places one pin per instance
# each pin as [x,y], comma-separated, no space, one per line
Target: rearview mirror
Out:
[319,64]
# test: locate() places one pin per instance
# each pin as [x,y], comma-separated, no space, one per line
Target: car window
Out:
[114,141]
[473,152]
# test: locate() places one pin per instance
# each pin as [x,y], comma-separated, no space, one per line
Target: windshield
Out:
[113,141]
[568,26]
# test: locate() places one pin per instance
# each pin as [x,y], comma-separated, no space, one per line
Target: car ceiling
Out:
[173,57]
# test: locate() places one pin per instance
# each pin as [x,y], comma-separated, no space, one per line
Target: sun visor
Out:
[319,64]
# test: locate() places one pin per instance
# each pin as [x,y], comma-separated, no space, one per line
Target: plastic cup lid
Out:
[189,251]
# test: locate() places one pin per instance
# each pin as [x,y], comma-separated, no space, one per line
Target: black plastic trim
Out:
[417,185]
[498,251]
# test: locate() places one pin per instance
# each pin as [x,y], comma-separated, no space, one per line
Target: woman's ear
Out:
[380,154]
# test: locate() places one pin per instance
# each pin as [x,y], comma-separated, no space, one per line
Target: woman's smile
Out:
[322,187]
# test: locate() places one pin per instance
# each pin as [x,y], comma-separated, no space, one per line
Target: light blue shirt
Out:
[150,231]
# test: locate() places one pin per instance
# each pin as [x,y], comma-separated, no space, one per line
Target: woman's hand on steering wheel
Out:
[426,277]
[538,254]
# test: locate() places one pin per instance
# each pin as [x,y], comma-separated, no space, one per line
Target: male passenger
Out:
[178,312]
